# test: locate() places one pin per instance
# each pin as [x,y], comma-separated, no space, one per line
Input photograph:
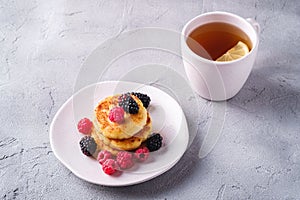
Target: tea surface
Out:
[212,40]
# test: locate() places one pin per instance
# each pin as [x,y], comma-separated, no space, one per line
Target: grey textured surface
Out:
[44,43]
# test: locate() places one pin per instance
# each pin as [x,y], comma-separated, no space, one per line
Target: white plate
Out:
[167,116]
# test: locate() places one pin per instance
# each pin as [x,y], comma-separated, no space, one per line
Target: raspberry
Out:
[154,142]
[103,156]
[85,126]
[141,154]
[110,166]
[145,99]
[88,145]
[124,159]
[128,104]
[116,115]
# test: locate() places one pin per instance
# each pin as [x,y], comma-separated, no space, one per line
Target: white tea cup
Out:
[214,80]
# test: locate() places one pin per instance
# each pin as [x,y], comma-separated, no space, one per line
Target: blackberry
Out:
[154,142]
[88,145]
[145,99]
[128,104]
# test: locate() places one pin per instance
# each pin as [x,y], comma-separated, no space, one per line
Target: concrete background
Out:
[44,43]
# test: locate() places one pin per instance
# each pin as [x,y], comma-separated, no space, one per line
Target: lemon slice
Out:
[236,52]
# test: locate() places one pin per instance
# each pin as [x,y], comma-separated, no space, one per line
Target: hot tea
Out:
[214,39]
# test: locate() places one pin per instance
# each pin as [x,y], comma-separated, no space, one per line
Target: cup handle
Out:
[255,24]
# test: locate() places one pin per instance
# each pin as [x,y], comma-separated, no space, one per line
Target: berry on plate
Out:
[128,104]
[116,114]
[85,126]
[125,159]
[103,156]
[88,145]
[154,142]
[141,154]
[110,166]
[145,99]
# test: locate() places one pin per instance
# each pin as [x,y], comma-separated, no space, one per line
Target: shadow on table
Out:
[270,89]
[270,99]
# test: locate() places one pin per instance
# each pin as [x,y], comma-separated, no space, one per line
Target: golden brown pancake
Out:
[102,146]
[132,124]
[125,144]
